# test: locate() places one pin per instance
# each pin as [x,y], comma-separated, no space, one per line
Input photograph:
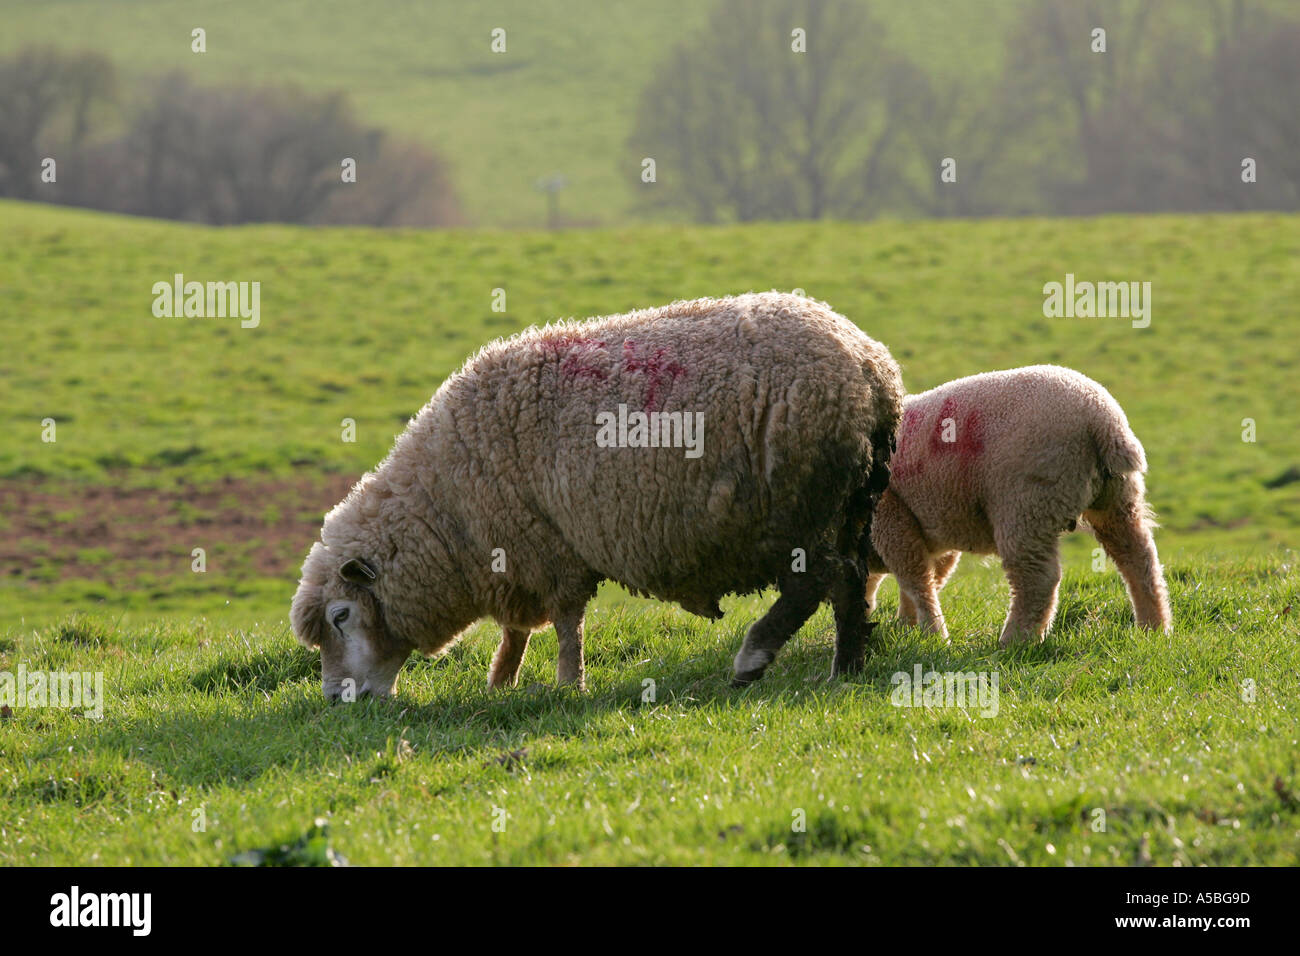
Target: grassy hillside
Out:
[560,99]
[364,325]
[215,746]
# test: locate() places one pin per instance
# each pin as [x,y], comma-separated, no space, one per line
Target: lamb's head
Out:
[337,610]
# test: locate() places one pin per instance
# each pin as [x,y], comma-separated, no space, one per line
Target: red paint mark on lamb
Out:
[909,458]
[658,372]
[968,440]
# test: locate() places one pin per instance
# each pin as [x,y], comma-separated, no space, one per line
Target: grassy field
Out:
[182,433]
[1109,746]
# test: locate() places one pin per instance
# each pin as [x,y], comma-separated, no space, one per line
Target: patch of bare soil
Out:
[246,526]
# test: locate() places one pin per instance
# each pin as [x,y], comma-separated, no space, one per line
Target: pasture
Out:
[183,433]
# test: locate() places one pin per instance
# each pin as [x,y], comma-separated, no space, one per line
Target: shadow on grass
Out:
[276,718]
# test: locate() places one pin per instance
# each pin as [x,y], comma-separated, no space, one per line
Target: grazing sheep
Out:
[686,452]
[1003,463]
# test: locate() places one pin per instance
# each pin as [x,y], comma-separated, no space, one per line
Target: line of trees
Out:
[221,156]
[745,125]
[778,109]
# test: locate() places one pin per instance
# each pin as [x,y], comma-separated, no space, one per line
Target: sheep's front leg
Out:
[906,609]
[852,629]
[504,671]
[570,668]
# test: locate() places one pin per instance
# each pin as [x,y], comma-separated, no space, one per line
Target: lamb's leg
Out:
[897,538]
[1034,572]
[1125,533]
[510,654]
[852,629]
[944,565]
[873,586]
[800,595]
[570,668]
[906,609]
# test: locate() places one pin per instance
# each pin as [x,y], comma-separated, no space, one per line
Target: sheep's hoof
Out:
[849,667]
[749,665]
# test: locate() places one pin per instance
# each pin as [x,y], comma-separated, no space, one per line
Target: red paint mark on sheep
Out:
[658,372]
[578,353]
[968,439]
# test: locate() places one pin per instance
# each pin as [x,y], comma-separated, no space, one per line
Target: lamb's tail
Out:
[1122,464]
[1118,448]
[1122,521]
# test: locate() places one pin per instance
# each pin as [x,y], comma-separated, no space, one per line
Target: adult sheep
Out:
[686,452]
[1004,462]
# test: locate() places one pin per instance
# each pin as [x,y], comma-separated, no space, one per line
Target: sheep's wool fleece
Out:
[796,403]
[1008,449]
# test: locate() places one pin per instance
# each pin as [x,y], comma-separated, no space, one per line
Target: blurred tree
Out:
[749,120]
[207,155]
[47,99]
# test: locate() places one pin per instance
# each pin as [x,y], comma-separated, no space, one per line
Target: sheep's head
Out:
[336,609]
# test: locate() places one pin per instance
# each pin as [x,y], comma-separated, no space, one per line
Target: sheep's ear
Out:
[357,571]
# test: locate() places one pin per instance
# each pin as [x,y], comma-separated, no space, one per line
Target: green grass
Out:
[212,706]
[1151,731]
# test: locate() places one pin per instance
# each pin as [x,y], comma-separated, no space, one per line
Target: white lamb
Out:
[1003,463]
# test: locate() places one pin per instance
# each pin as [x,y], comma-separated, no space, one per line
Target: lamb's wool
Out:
[1003,463]
[798,407]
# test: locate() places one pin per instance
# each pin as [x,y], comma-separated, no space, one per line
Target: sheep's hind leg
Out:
[1034,572]
[906,608]
[509,656]
[571,669]
[852,629]
[800,595]
[944,565]
[1125,534]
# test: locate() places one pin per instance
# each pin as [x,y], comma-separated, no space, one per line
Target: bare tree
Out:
[46,103]
[743,126]
[208,155]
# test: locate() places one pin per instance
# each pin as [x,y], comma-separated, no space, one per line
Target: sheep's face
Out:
[336,610]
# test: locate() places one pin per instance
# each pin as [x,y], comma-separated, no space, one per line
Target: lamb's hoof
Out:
[1020,639]
[744,679]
